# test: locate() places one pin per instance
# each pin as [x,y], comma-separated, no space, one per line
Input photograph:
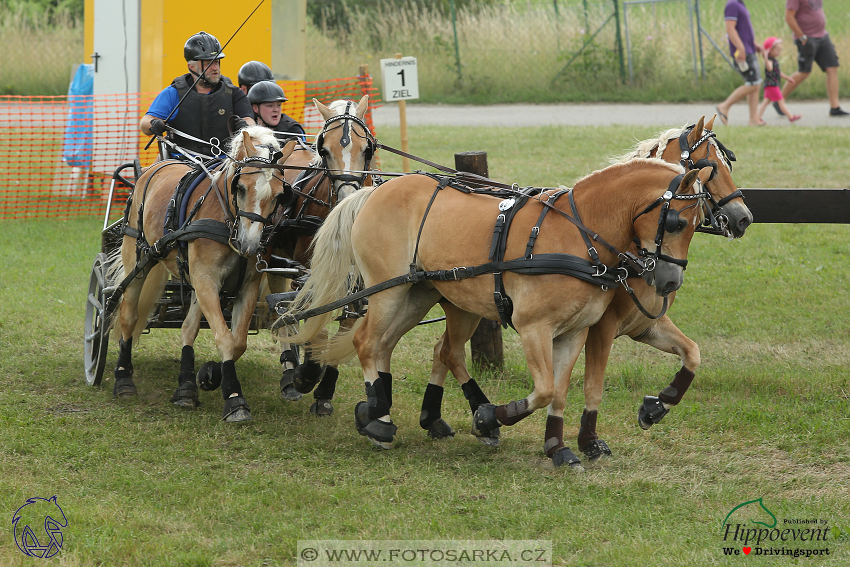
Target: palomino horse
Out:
[622,317]
[221,244]
[431,237]
[344,149]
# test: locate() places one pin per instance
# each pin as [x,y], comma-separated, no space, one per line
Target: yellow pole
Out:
[402,122]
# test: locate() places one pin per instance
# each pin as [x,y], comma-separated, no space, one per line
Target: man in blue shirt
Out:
[206,107]
[744,50]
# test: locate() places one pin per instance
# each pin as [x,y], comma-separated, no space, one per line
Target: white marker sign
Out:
[400,78]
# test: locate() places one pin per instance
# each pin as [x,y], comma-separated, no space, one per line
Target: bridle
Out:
[346,179]
[715,218]
[668,221]
[283,199]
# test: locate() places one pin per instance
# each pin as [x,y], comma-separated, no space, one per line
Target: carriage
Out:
[271,199]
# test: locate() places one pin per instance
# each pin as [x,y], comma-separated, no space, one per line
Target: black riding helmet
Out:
[253,72]
[266,91]
[202,47]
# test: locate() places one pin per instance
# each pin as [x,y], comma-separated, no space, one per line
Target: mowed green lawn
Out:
[143,482]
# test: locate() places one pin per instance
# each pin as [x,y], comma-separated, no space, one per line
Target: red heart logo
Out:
[747,550]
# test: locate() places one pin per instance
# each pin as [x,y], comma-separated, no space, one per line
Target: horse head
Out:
[345,144]
[256,188]
[39,513]
[728,213]
[679,214]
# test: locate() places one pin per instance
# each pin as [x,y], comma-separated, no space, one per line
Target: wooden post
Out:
[402,122]
[486,342]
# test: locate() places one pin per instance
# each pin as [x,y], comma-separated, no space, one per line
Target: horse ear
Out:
[248,145]
[687,184]
[696,133]
[286,151]
[705,174]
[362,107]
[710,124]
[323,110]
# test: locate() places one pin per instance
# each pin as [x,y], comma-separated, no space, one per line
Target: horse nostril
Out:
[744,223]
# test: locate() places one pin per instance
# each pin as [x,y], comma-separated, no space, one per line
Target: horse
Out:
[415,242]
[622,317]
[343,152]
[221,235]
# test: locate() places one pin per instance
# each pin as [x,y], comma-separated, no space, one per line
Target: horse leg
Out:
[207,293]
[450,355]
[597,348]
[664,335]
[537,346]
[324,392]
[565,352]
[289,354]
[391,314]
[128,319]
[186,394]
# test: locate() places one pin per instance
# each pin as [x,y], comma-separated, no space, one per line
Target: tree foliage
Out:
[335,14]
[43,10]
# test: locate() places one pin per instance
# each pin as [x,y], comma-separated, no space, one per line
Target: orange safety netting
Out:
[57,154]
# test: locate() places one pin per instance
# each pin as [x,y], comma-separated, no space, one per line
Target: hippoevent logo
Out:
[750,528]
[37,527]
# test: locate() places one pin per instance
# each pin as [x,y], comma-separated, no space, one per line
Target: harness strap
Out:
[556,263]
[535,230]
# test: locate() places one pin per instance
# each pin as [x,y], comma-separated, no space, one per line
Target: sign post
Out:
[401,83]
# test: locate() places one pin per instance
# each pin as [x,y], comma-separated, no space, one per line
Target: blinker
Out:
[671,220]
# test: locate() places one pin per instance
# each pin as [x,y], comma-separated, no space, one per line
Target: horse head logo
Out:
[754,508]
[39,518]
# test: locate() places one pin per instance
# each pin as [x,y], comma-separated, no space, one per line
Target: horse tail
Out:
[333,270]
[151,292]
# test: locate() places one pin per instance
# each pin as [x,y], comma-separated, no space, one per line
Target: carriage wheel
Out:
[98,323]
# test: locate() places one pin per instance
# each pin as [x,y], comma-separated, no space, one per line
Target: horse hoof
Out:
[440,430]
[209,376]
[236,410]
[484,421]
[564,456]
[361,416]
[290,394]
[380,433]
[124,388]
[595,450]
[650,412]
[186,395]
[322,408]
[306,376]
[491,440]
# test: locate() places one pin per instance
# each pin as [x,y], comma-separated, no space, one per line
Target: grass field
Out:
[144,483]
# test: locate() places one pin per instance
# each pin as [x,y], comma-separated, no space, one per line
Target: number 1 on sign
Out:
[402,76]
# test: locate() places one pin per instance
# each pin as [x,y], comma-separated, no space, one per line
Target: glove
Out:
[239,124]
[157,127]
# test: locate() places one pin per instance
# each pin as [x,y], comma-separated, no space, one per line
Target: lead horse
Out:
[693,147]
[343,151]
[222,237]
[436,240]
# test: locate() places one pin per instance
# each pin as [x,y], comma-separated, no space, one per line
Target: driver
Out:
[266,98]
[206,109]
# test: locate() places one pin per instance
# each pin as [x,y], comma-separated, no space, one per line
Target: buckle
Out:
[455,273]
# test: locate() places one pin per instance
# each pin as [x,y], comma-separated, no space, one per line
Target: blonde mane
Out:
[260,137]
[672,166]
[658,144]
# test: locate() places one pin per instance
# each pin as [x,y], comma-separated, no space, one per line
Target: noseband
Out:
[715,219]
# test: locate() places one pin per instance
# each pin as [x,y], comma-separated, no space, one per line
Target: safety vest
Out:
[202,115]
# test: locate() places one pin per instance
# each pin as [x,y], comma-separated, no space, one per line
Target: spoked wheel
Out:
[98,323]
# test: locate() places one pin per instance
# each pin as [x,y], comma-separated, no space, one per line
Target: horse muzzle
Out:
[735,218]
[666,277]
